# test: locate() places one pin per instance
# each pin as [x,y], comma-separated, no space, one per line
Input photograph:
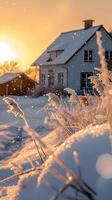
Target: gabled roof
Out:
[70,42]
[8,77]
[11,76]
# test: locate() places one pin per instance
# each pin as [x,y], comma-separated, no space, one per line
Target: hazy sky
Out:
[31,25]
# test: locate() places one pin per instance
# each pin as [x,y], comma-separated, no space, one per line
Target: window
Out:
[88,55]
[108,55]
[60,79]
[43,78]
[53,54]
[85,82]
[50,78]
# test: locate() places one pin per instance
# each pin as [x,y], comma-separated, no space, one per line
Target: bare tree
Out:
[9,66]
[33,72]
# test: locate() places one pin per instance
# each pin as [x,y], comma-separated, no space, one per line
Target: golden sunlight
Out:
[7,52]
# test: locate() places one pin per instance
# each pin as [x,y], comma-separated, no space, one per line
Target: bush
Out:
[40,91]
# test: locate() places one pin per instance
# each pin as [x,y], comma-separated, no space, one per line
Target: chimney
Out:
[88,23]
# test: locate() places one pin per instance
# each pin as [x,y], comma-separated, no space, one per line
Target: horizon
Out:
[31,26]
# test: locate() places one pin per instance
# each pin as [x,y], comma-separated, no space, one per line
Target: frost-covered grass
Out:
[72,161]
[31,107]
[12,128]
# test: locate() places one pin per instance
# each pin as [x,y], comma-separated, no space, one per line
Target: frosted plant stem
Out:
[79,170]
[76,159]
[37,147]
[41,158]
[105,79]
[20,174]
[66,129]
[43,152]
[101,52]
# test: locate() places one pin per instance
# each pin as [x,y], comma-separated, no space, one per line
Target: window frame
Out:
[85,80]
[51,78]
[60,78]
[108,55]
[88,55]
[54,54]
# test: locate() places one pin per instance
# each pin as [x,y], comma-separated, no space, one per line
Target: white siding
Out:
[77,65]
[56,70]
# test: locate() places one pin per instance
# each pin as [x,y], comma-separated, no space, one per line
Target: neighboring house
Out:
[16,84]
[73,57]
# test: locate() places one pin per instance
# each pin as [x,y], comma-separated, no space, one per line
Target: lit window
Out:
[88,55]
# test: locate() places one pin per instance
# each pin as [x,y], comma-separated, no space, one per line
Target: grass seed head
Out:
[13,107]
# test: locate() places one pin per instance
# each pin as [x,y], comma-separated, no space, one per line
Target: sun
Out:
[6,52]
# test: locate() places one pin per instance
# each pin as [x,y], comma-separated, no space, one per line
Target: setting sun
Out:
[6,52]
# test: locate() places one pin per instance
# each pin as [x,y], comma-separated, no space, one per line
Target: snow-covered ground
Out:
[91,144]
[33,108]
[89,150]
[35,112]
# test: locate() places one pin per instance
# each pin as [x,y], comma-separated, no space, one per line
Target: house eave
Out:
[50,65]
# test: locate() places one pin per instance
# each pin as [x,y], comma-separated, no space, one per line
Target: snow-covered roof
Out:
[70,42]
[8,77]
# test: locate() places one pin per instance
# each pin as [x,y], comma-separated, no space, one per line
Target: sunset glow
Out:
[6,52]
[33,25]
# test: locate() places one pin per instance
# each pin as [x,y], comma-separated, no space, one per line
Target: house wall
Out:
[56,70]
[77,65]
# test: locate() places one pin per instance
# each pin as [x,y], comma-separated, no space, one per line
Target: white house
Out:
[73,57]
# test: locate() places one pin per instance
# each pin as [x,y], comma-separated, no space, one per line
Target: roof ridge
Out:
[11,73]
[81,29]
[66,38]
[7,74]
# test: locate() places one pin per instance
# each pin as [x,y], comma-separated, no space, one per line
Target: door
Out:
[50,78]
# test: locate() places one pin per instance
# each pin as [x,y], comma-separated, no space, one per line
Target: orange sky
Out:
[31,25]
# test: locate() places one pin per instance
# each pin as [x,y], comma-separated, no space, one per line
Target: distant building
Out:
[16,84]
[73,57]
